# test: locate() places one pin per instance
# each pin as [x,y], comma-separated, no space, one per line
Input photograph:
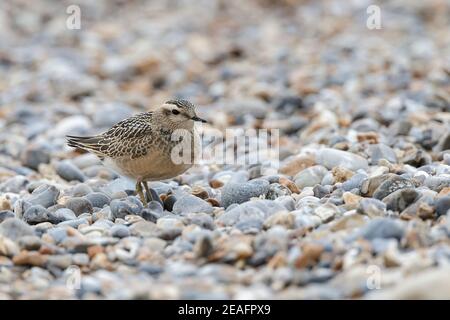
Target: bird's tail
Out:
[85,143]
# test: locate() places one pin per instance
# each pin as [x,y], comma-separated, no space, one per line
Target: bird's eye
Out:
[175,111]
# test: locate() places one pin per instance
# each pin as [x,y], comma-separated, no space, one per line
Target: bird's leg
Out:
[147,191]
[140,193]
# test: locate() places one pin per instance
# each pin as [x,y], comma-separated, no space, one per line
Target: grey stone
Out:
[14,184]
[242,192]
[355,182]
[442,205]
[44,195]
[400,199]
[123,207]
[69,172]
[260,209]
[98,199]
[191,204]
[437,183]
[382,228]
[392,184]
[14,229]
[6,214]
[120,231]
[331,158]
[109,114]
[80,190]
[75,223]
[371,207]
[202,220]
[60,215]
[35,214]
[34,155]
[381,151]
[311,176]
[276,190]
[79,205]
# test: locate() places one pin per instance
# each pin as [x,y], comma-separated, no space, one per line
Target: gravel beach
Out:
[359,207]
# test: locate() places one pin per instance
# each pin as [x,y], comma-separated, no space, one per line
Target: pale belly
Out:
[148,168]
[156,165]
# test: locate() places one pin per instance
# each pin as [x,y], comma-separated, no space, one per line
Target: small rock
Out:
[5,214]
[191,204]
[44,195]
[34,155]
[120,231]
[30,258]
[392,184]
[372,207]
[81,190]
[14,184]
[331,158]
[61,215]
[382,228]
[98,199]
[36,214]
[400,199]
[310,176]
[443,205]
[123,207]
[79,205]
[14,229]
[242,192]
[69,172]
[381,151]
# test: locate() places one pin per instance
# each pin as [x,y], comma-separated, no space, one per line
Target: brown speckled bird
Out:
[140,147]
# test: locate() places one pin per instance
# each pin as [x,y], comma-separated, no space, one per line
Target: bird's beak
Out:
[199,119]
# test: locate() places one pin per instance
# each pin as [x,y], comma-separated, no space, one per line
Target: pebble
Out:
[399,200]
[384,228]
[442,205]
[5,214]
[120,231]
[310,177]
[69,172]
[372,207]
[381,151]
[331,158]
[34,155]
[44,195]
[14,229]
[123,207]
[14,184]
[242,192]
[191,204]
[79,205]
[98,199]
[61,215]
[36,214]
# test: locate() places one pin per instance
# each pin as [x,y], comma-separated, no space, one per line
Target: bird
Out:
[148,146]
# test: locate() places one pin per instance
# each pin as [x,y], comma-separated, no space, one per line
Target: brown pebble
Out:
[310,256]
[92,251]
[200,192]
[216,184]
[289,184]
[297,164]
[213,202]
[369,137]
[30,258]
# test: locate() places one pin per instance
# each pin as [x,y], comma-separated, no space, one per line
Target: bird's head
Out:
[179,112]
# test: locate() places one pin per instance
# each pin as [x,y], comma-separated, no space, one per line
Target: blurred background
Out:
[239,58]
[316,70]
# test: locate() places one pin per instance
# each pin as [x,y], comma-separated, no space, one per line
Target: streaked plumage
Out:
[140,147]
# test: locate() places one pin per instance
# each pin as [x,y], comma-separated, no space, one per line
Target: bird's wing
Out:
[127,138]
